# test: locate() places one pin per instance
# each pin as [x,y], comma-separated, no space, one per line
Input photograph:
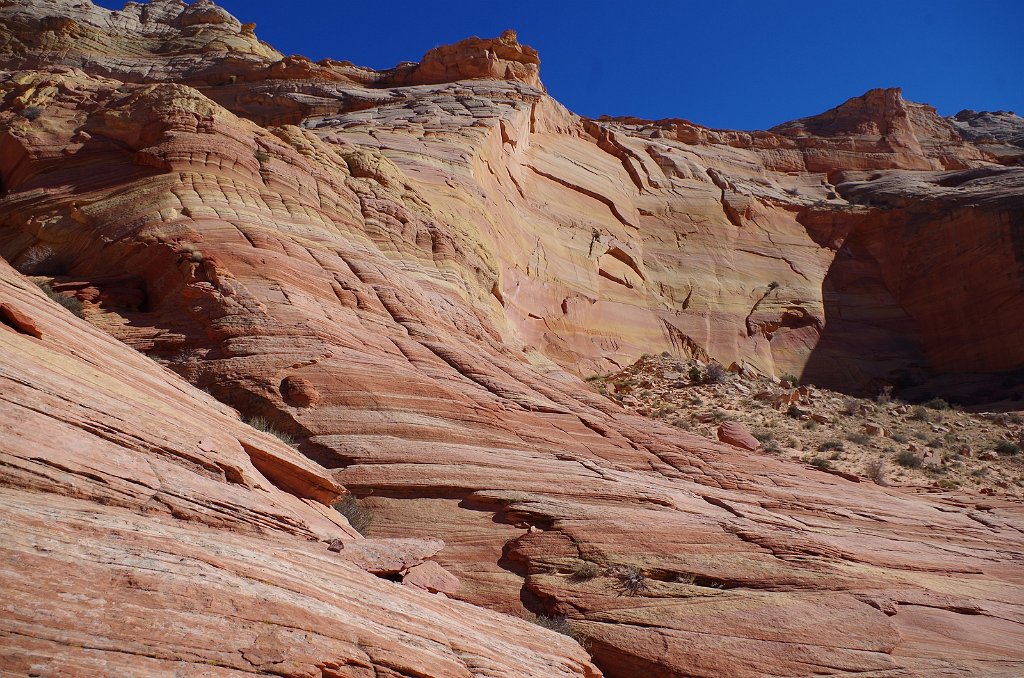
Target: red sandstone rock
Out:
[736,434]
[423,258]
[430,576]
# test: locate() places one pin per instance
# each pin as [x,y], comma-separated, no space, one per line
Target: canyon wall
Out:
[409,270]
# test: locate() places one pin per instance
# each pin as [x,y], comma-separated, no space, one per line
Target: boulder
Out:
[430,576]
[735,434]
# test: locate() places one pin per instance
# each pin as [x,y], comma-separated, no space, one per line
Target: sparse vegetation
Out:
[937,404]
[359,516]
[908,459]
[261,424]
[791,379]
[829,445]
[813,423]
[715,373]
[1007,448]
[876,470]
[585,570]
[72,304]
[558,624]
[820,462]
[31,112]
[261,155]
[632,579]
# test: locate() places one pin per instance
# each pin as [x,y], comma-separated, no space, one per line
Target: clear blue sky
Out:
[741,64]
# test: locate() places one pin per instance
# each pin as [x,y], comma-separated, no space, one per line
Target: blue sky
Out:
[741,64]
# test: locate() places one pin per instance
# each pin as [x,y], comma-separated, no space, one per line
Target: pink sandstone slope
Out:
[408,270]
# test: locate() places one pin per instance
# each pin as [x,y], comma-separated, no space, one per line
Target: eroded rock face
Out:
[400,275]
[148,531]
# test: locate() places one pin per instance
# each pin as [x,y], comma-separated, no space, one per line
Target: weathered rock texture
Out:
[147,531]
[403,269]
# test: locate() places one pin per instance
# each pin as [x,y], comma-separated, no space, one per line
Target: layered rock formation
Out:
[404,270]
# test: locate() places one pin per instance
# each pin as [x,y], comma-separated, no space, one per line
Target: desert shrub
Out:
[261,424]
[632,579]
[1015,418]
[72,304]
[679,422]
[876,471]
[31,112]
[763,436]
[794,412]
[585,571]
[792,379]
[196,257]
[359,516]
[900,438]
[558,624]
[810,425]
[859,438]
[908,459]
[1007,448]
[831,445]
[261,155]
[919,414]
[695,375]
[884,395]
[720,415]
[935,443]
[715,373]
[819,462]
[937,404]
[773,285]
[851,407]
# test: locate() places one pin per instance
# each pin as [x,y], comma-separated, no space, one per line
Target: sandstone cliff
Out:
[407,270]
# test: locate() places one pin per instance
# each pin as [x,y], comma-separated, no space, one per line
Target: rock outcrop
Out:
[404,270]
[148,531]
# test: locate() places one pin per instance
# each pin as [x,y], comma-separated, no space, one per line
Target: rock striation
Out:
[407,271]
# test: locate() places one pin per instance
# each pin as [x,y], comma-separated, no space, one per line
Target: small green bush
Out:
[900,438]
[558,624]
[831,445]
[695,375]
[919,414]
[859,438]
[72,304]
[937,404]
[819,462]
[585,571]
[359,516]
[632,578]
[31,112]
[791,378]
[261,424]
[876,471]
[908,459]
[1007,448]
[715,374]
